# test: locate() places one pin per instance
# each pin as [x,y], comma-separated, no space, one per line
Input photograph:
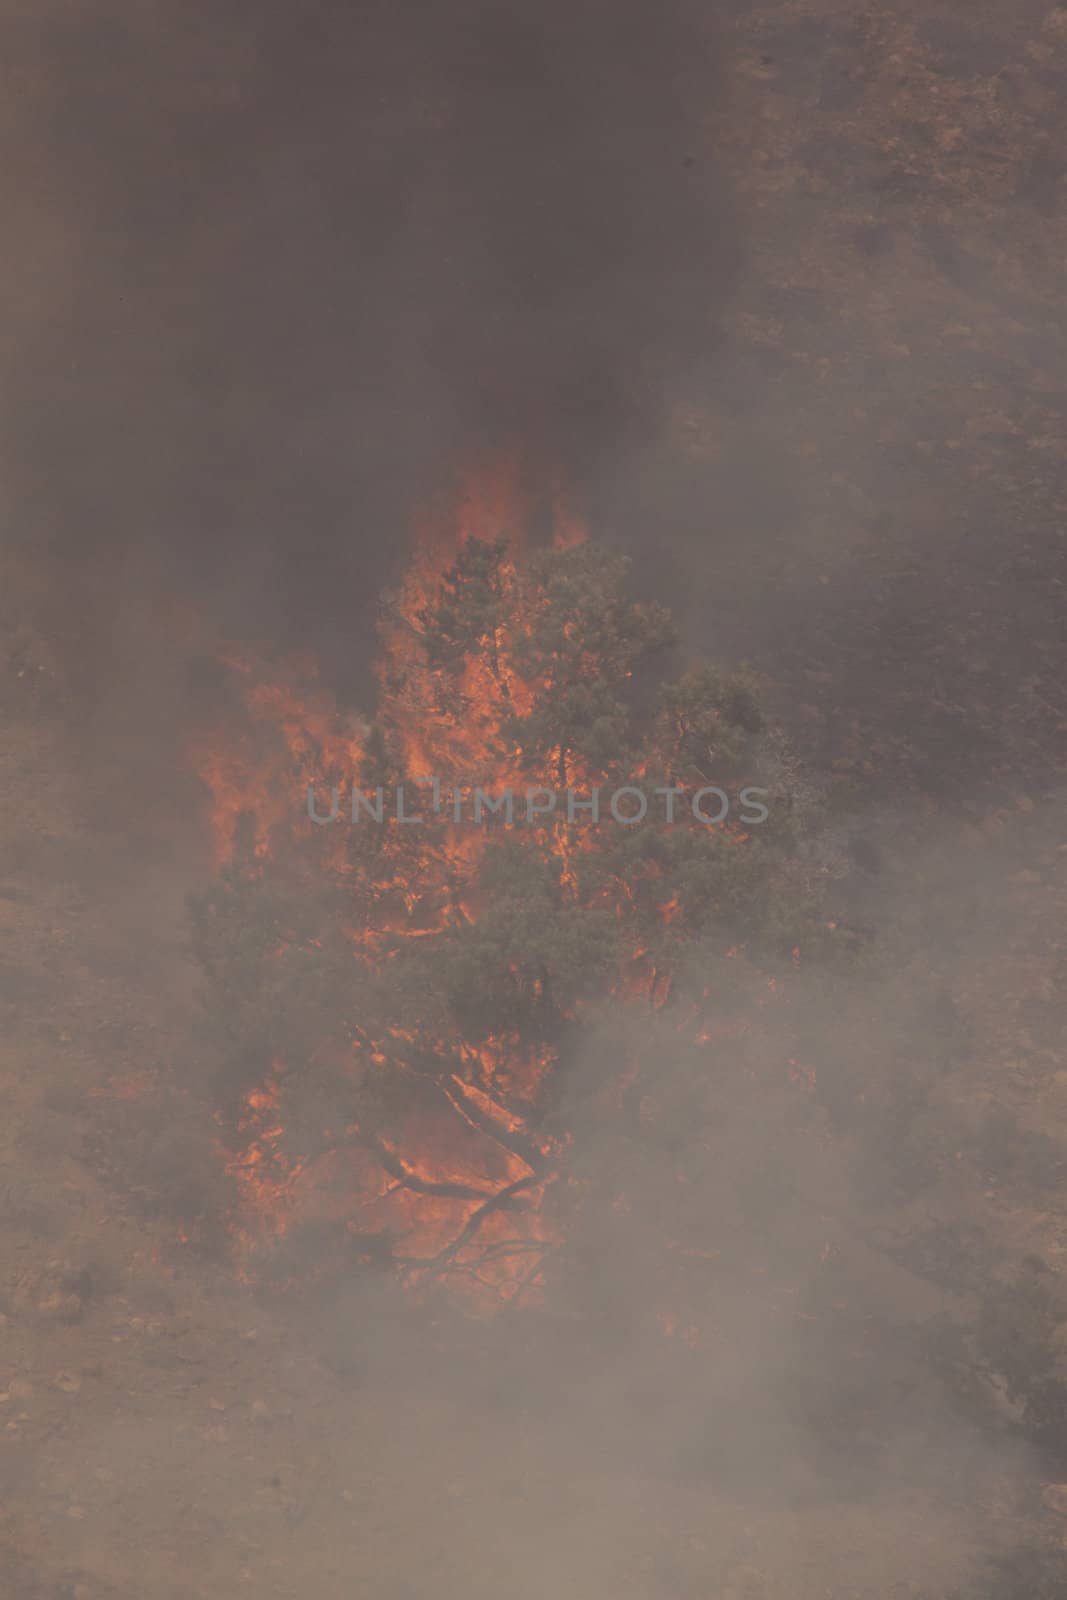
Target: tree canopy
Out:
[414,998]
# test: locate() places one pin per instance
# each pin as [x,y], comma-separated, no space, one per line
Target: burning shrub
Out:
[398,1005]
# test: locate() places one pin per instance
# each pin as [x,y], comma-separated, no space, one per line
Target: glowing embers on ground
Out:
[451,1186]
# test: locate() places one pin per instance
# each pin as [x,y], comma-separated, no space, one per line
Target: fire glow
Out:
[453,1177]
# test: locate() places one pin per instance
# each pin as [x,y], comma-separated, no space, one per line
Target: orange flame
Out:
[453,1186]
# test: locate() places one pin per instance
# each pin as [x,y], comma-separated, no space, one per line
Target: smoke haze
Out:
[282,273]
[773,295]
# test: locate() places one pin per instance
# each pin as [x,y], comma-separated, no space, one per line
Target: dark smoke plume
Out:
[286,269]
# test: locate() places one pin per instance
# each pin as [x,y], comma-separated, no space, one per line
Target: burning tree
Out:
[410,1016]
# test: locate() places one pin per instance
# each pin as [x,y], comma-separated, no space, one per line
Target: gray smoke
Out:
[283,271]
